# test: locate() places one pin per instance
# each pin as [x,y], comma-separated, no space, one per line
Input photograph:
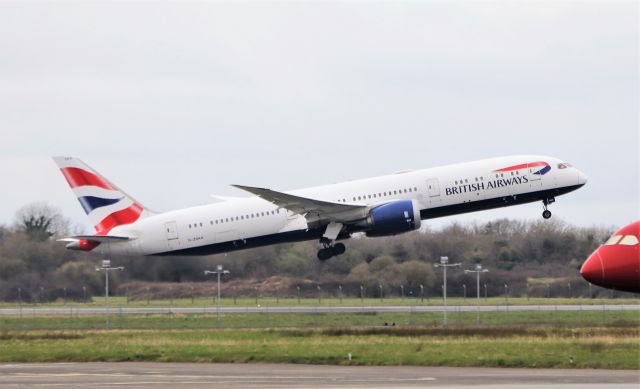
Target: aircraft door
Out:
[171,230]
[433,187]
[433,193]
[534,179]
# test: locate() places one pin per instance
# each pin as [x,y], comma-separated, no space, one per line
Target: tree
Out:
[40,221]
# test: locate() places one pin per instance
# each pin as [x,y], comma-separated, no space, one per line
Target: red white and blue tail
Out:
[106,205]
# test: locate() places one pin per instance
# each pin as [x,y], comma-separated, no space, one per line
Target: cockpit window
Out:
[629,240]
[613,240]
[563,165]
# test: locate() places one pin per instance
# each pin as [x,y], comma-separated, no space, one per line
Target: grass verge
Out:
[585,347]
[279,320]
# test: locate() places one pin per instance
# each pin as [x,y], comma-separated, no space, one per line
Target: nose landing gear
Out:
[546,201]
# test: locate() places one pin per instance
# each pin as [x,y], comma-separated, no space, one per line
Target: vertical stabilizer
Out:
[106,205]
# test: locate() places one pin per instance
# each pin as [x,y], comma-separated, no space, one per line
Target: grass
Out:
[280,320]
[595,347]
[272,301]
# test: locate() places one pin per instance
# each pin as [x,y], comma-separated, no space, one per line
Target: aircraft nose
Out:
[582,178]
[592,269]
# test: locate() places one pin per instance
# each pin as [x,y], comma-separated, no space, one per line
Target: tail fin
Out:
[106,205]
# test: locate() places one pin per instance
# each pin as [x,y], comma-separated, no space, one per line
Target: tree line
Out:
[531,258]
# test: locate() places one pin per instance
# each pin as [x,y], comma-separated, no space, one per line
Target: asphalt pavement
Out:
[32,310]
[193,376]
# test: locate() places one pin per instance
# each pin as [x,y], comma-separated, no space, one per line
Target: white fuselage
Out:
[253,221]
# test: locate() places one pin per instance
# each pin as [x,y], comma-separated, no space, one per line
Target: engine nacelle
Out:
[393,218]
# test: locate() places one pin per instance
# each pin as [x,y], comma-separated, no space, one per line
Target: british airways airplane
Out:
[379,206]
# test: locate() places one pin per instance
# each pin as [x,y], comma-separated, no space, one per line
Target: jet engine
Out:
[392,218]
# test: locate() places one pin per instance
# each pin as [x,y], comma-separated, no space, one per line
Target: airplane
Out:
[616,264]
[379,206]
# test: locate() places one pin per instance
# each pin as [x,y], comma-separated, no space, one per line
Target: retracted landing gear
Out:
[546,213]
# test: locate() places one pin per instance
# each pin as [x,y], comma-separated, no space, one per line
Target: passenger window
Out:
[200,224]
[189,225]
[415,189]
[629,240]
[613,240]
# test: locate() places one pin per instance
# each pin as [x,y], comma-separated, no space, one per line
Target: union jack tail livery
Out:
[106,205]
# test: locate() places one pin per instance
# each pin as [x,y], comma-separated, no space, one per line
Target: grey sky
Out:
[175,101]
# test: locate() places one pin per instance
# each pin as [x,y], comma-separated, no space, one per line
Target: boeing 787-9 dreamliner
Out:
[378,206]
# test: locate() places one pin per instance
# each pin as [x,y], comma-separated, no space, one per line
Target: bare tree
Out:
[40,221]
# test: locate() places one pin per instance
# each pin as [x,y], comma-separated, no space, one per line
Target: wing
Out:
[313,210]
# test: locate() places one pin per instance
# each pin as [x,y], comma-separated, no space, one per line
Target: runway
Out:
[310,309]
[193,376]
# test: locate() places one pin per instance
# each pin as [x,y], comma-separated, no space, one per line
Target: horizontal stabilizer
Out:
[95,238]
[225,198]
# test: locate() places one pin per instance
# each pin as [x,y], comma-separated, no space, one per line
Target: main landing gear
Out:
[546,213]
[328,242]
[331,251]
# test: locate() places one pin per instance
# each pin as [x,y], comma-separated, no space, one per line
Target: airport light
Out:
[340,293]
[444,264]
[106,268]
[478,269]
[20,300]
[219,271]
[464,292]
[421,293]
[506,293]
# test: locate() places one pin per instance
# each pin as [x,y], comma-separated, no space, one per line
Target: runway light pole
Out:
[106,267]
[444,264]
[219,271]
[478,270]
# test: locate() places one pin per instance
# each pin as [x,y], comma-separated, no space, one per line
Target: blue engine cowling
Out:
[393,218]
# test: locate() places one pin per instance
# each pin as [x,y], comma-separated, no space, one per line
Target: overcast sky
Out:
[175,101]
